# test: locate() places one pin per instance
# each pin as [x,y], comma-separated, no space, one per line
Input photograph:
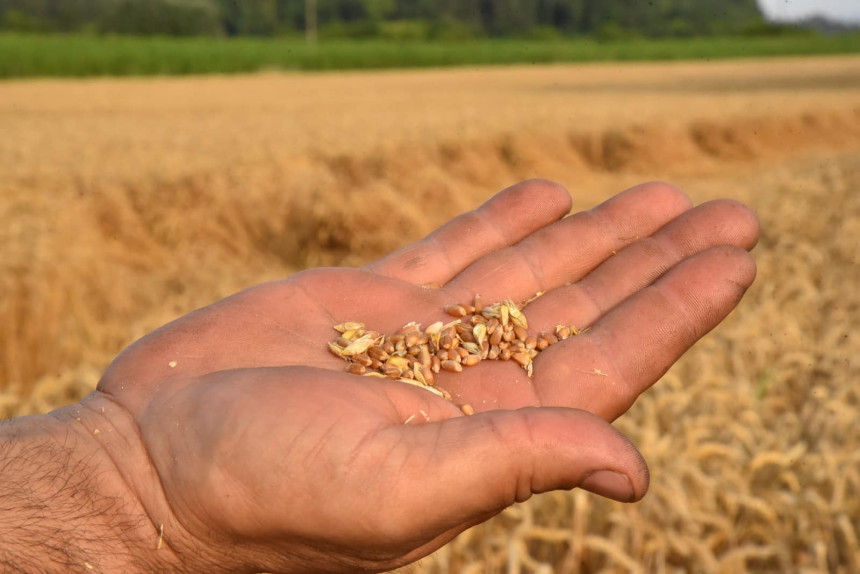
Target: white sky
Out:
[842,10]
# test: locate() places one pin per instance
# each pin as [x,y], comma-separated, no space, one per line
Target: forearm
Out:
[63,504]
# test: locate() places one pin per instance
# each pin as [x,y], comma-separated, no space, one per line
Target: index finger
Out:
[508,217]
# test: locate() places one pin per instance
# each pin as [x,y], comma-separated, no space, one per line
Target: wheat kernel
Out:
[391,372]
[356,369]
[408,328]
[455,310]
[471,360]
[520,333]
[424,356]
[522,359]
[435,364]
[452,366]
[550,338]
[427,373]
[496,337]
[467,410]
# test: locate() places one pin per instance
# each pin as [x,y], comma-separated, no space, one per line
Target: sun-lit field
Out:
[126,203]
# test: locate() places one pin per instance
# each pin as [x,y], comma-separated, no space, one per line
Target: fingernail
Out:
[610,484]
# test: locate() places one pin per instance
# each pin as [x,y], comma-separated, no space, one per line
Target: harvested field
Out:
[125,203]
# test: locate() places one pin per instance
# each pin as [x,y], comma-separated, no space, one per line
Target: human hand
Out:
[248,442]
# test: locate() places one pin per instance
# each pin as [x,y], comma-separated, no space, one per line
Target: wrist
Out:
[66,504]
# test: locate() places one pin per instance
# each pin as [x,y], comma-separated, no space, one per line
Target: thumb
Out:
[484,463]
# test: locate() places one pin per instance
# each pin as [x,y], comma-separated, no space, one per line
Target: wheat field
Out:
[125,203]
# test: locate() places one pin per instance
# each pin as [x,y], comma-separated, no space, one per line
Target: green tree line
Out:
[403,19]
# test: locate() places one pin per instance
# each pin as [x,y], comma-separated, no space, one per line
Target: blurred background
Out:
[157,155]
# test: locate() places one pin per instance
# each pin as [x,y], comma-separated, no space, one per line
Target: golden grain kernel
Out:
[467,409]
[452,366]
[446,341]
[504,354]
[550,337]
[462,352]
[409,375]
[377,353]
[493,353]
[496,337]
[508,335]
[427,375]
[353,334]
[388,347]
[424,356]
[562,332]
[453,355]
[375,375]
[531,342]
[417,374]
[478,319]
[356,369]
[363,359]
[435,328]
[348,326]
[517,317]
[504,315]
[490,311]
[522,359]
[479,332]
[409,328]
[401,363]
[358,346]
[391,371]
[520,333]
[541,343]
[375,364]
[343,342]
[412,338]
[471,360]
[335,350]
[455,310]
[478,302]
[492,325]
[471,348]
[435,364]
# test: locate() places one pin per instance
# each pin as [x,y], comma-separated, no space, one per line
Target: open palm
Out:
[263,445]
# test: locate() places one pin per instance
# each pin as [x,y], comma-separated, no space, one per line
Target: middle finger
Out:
[568,250]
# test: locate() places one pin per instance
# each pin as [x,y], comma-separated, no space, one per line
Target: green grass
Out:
[79,55]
